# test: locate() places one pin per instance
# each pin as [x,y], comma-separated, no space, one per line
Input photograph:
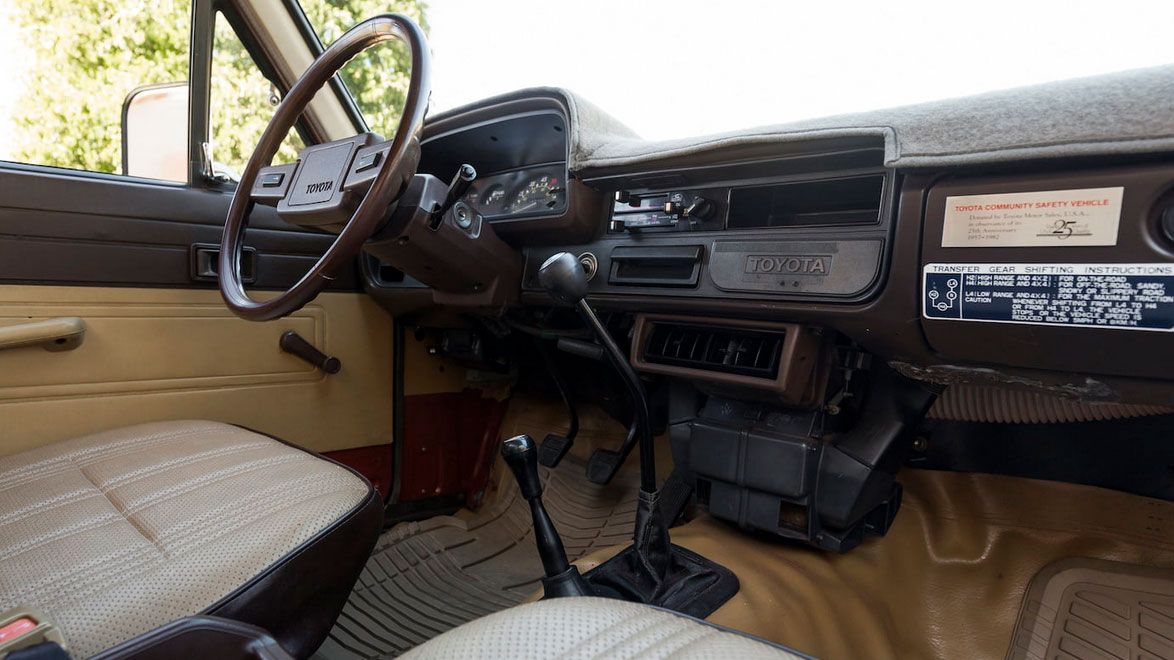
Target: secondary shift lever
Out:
[562,578]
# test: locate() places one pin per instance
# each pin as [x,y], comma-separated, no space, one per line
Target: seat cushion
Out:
[593,628]
[116,533]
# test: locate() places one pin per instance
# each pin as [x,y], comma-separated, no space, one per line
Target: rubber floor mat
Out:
[1087,608]
[427,577]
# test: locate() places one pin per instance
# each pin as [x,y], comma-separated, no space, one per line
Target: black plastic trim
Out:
[397,411]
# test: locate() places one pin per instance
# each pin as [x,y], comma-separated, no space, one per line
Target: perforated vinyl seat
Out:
[116,533]
[592,628]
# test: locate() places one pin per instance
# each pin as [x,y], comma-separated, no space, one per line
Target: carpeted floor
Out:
[950,580]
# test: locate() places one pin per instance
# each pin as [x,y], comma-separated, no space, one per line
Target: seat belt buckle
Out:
[22,627]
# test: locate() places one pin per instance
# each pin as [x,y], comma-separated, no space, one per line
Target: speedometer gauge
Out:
[541,193]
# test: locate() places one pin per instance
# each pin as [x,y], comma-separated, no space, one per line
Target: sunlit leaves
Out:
[87,55]
[379,77]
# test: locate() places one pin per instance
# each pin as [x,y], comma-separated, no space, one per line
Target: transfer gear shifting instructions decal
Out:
[1111,296]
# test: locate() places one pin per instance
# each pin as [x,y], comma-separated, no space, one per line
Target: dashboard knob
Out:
[701,209]
[672,208]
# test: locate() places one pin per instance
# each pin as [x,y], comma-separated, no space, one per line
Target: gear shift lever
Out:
[652,570]
[564,278]
[562,578]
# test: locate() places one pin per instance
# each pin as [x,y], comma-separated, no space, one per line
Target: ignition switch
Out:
[463,215]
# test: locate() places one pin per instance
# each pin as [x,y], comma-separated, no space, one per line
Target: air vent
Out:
[752,353]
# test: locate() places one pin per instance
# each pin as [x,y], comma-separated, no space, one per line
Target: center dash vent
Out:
[752,353]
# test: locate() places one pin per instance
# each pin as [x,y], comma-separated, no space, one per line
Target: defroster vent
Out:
[728,350]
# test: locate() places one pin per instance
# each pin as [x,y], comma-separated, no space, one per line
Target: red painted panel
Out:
[449,444]
[372,462]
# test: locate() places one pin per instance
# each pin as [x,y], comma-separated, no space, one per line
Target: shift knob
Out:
[561,578]
[521,455]
[564,278]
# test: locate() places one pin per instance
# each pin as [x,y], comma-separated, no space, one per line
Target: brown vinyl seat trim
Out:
[299,613]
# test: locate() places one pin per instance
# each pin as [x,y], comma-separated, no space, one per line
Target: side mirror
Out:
[153,144]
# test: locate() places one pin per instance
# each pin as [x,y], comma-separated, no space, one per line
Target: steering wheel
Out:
[344,186]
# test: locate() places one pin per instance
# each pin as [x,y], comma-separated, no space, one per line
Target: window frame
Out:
[200,112]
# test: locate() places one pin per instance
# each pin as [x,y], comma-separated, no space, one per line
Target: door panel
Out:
[160,344]
[132,258]
[158,354]
[102,229]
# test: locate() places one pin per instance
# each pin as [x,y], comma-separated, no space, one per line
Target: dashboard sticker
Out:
[1053,218]
[1109,296]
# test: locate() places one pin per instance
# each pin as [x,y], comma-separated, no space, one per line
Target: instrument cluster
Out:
[523,192]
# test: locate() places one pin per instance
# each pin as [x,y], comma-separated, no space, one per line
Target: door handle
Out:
[60,334]
[205,259]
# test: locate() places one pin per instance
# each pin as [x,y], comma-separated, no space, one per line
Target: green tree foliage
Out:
[377,78]
[240,100]
[87,55]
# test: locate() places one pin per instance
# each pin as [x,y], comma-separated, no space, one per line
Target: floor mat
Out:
[425,578]
[1086,608]
[948,579]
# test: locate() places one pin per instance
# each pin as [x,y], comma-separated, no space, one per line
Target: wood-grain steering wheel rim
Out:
[370,211]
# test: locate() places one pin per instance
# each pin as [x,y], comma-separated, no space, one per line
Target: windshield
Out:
[676,68]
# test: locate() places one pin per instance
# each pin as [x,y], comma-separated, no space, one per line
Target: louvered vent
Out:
[713,348]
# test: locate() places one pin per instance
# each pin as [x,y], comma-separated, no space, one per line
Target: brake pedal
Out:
[553,448]
[605,463]
[603,466]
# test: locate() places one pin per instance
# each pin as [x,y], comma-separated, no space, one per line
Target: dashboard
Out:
[793,230]
[819,229]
